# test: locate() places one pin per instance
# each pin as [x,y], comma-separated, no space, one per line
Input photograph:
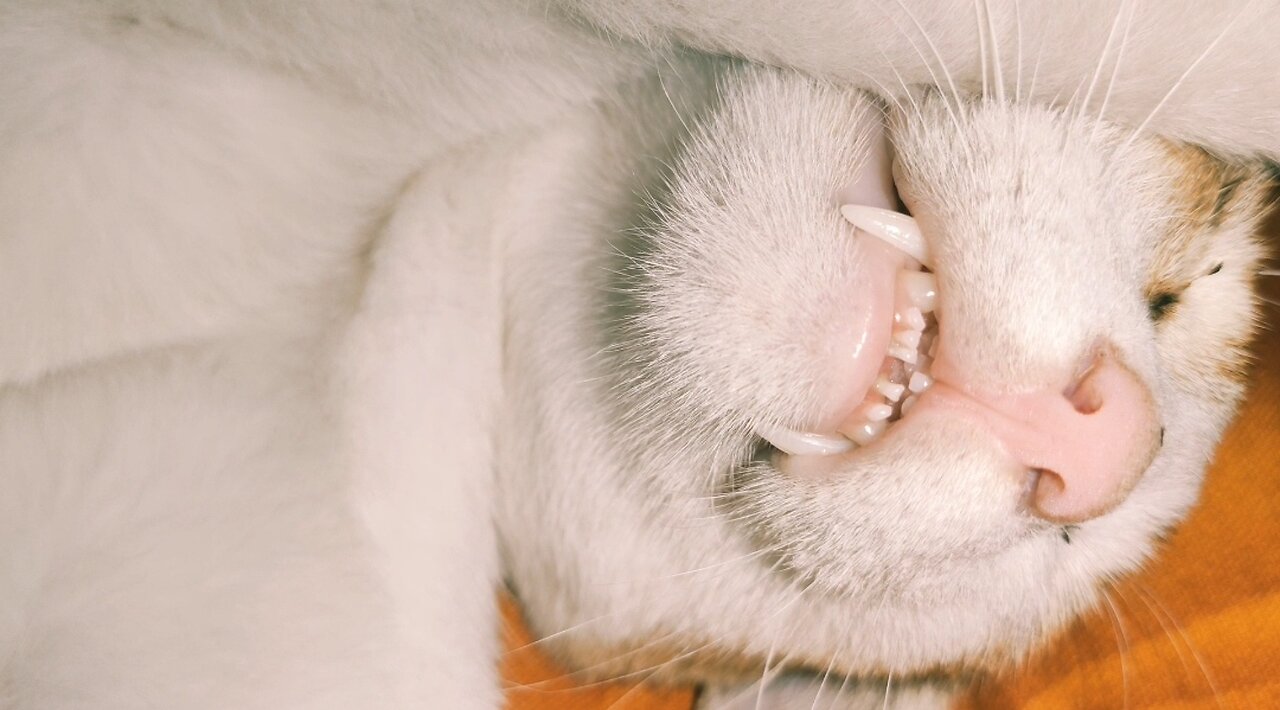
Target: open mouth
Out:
[888,364]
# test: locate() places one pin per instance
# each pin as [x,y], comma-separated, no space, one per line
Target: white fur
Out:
[310,314]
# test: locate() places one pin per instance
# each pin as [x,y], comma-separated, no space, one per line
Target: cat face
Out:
[1057,242]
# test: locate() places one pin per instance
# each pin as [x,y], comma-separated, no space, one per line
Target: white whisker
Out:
[1102,58]
[888,688]
[1178,84]
[996,68]
[1177,647]
[1122,643]
[1195,652]
[955,93]
[982,47]
[1115,70]
[844,683]
[1017,82]
[823,684]
[764,676]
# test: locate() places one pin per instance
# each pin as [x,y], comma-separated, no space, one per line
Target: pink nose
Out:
[1085,444]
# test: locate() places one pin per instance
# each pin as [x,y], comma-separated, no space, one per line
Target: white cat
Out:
[293,295]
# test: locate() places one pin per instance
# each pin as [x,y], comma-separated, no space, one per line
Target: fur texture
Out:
[321,320]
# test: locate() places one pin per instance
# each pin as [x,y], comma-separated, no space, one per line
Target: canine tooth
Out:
[804,443]
[904,353]
[919,382]
[908,403]
[866,433]
[921,289]
[896,229]
[908,338]
[891,391]
[913,318]
[878,412]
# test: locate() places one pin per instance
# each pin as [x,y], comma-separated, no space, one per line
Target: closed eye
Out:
[1160,304]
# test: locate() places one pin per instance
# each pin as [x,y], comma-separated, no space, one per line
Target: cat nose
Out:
[1083,445]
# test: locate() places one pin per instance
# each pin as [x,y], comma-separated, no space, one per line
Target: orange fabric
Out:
[533,682]
[1199,629]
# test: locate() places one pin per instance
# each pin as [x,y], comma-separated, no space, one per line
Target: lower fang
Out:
[919,382]
[868,432]
[803,443]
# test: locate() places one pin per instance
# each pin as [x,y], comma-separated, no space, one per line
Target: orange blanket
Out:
[1200,628]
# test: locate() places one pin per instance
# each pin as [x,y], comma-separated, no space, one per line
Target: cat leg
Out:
[155,191]
[418,377]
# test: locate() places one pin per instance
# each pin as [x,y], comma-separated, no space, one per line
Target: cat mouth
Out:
[892,367]
[884,367]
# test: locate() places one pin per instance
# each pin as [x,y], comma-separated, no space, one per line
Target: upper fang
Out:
[896,229]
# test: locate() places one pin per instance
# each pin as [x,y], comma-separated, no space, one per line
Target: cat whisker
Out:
[1017,23]
[822,685]
[888,688]
[1173,641]
[982,47]
[1122,643]
[1115,70]
[955,94]
[624,696]
[905,89]
[886,93]
[1102,59]
[998,61]
[844,683]
[764,675]
[652,670]
[724,563]
[1149,594]
[1178,83]
[662,83]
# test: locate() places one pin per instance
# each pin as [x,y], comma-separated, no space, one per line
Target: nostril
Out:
[1083,392]
[1042,484]
[1085,397]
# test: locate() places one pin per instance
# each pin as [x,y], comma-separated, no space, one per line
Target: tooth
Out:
[921,289]
[878,412]
[912,318]
[870,431]
[804,443]
[904,353]
[907,338]
[891,391]
[896,229]
[919,382]
[908,403]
